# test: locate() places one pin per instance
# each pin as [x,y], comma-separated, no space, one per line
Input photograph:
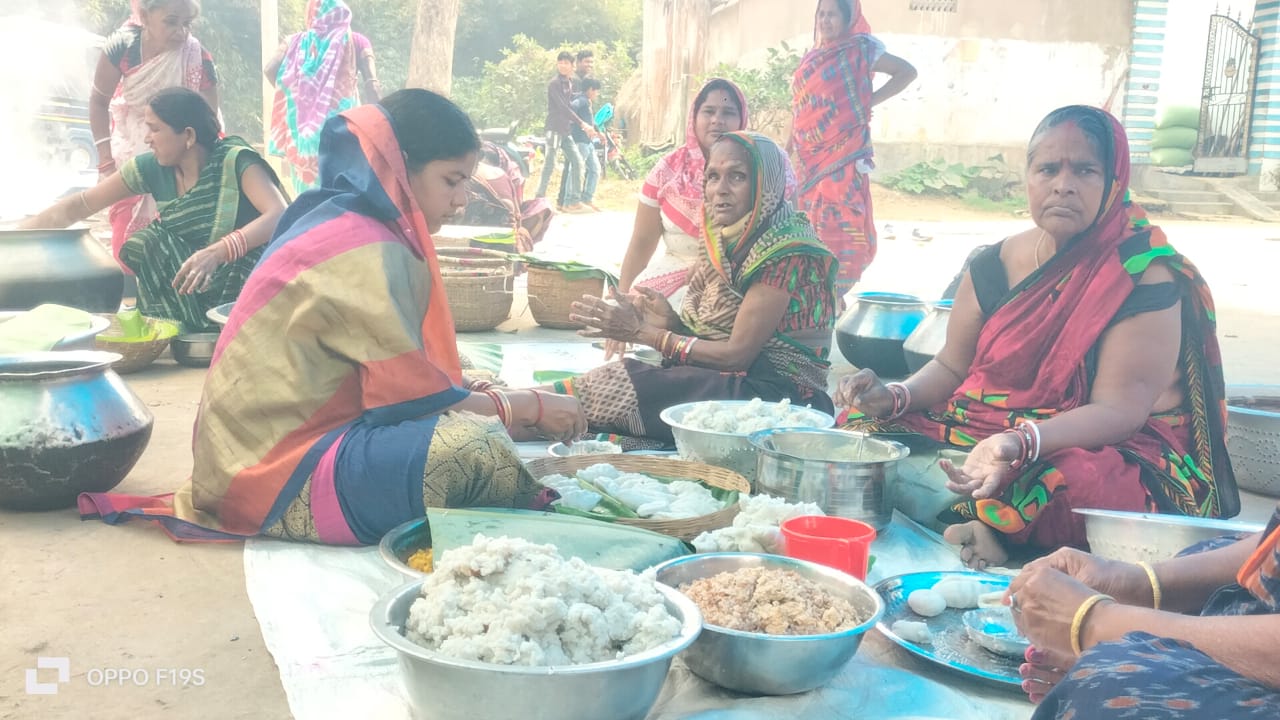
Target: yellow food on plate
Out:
[420,560]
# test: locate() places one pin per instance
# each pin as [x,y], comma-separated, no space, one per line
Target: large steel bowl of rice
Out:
[731,447]
[446,688]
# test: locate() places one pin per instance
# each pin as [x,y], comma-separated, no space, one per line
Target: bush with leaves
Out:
[515,89]
[995,180]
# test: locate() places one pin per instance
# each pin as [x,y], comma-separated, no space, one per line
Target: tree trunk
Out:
[674,56]
[431,55]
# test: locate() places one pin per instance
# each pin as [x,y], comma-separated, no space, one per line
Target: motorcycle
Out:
[607,147]
[518,149]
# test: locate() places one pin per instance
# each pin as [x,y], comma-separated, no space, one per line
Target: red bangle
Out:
[538,396]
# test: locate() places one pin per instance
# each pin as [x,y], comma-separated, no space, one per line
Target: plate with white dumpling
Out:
[925,613]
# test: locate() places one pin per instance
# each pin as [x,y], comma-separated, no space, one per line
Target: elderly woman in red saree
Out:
[756,321]
[152,51]
[833,94]
[1080,367]
[335,407]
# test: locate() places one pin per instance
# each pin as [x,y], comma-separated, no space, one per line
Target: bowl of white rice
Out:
[505,629]
[717,432]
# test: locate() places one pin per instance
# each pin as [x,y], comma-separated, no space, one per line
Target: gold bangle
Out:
[1156,594]
[1077,623]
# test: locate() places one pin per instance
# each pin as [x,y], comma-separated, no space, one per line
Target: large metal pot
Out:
[871,332]
[67,267]
[69,425]
[929,336]
[847,474]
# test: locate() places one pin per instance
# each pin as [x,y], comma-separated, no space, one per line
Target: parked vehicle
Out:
[520,152]
[608,148]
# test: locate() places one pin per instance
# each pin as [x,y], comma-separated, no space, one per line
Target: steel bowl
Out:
[194,349]
[445,688]
[763,664]
[78,340]
[732,451]
[1253,437]
[1134,537]
[995,630]
[220,314]
[847,474]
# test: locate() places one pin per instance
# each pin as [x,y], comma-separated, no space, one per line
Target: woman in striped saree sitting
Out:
[218,202]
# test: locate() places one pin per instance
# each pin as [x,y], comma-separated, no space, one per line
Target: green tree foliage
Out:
[488,40]
[486,28]
[515,89]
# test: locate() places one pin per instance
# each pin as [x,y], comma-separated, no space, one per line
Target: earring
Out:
[188,144]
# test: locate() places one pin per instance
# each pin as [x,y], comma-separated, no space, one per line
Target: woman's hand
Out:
[866,392]
[547,415]
[1125,582]
[615,349]
[987,468]
[621,320]
[196,274]
[1044,602]
[656,308]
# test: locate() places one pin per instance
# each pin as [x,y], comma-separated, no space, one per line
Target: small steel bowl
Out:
[995,630]
[763,664]
[194,349]
[444,688]
[1133,537]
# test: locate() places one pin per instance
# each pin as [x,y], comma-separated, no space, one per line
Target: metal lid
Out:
[55,364]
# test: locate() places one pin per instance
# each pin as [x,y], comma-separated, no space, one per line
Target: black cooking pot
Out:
[67,267]
[871,332]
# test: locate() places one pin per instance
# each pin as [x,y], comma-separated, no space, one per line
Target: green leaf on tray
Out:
[550,376]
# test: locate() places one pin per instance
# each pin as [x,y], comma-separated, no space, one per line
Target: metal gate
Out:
[1226,105]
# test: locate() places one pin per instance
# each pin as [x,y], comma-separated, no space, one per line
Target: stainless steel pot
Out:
[871,332]
[68,267]
[69,425]
[929,336]
[847,474]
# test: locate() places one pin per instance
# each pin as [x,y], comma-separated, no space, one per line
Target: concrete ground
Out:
[127,599]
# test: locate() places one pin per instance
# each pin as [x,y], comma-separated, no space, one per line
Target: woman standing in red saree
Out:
[831,133]
[1080,366]
[152,51]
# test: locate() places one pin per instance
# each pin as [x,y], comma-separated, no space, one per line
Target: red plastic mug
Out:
[836,542]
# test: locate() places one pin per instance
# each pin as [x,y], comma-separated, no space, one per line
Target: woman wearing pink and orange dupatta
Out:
[335,407]
[831,134]
[154,50]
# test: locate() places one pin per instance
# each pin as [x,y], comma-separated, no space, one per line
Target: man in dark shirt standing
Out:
[560,122]
[584,107]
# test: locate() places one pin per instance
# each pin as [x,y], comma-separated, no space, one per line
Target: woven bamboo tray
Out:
[478,284]
[687,528]
[135,354]
[552,293]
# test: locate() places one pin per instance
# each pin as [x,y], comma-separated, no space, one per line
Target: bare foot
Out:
[980,545]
